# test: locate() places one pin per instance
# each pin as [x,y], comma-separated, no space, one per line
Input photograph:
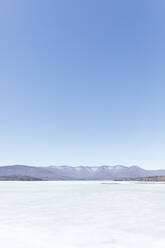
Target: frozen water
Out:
[81,215]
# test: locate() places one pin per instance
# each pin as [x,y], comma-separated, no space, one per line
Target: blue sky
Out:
[82,82]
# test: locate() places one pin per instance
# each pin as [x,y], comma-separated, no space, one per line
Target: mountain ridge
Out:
[66,172]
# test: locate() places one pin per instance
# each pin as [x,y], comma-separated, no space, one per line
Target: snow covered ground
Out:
[82,215]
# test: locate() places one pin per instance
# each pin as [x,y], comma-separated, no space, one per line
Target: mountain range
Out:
[104,172]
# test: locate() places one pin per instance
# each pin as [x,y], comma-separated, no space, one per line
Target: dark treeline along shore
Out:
[19,178]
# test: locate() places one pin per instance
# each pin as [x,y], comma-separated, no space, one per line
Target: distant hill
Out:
[78,173]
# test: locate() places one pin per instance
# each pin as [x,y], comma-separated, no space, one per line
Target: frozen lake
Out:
[81,215]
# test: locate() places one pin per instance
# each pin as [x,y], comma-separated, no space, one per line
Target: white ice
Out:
[81,215]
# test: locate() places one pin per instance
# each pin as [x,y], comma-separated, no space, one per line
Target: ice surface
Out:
[81,215]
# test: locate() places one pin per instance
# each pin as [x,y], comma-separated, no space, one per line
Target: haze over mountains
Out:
[78,173]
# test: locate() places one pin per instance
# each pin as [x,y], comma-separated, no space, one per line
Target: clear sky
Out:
[82,82]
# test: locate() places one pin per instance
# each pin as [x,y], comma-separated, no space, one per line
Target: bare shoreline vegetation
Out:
[146,179]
